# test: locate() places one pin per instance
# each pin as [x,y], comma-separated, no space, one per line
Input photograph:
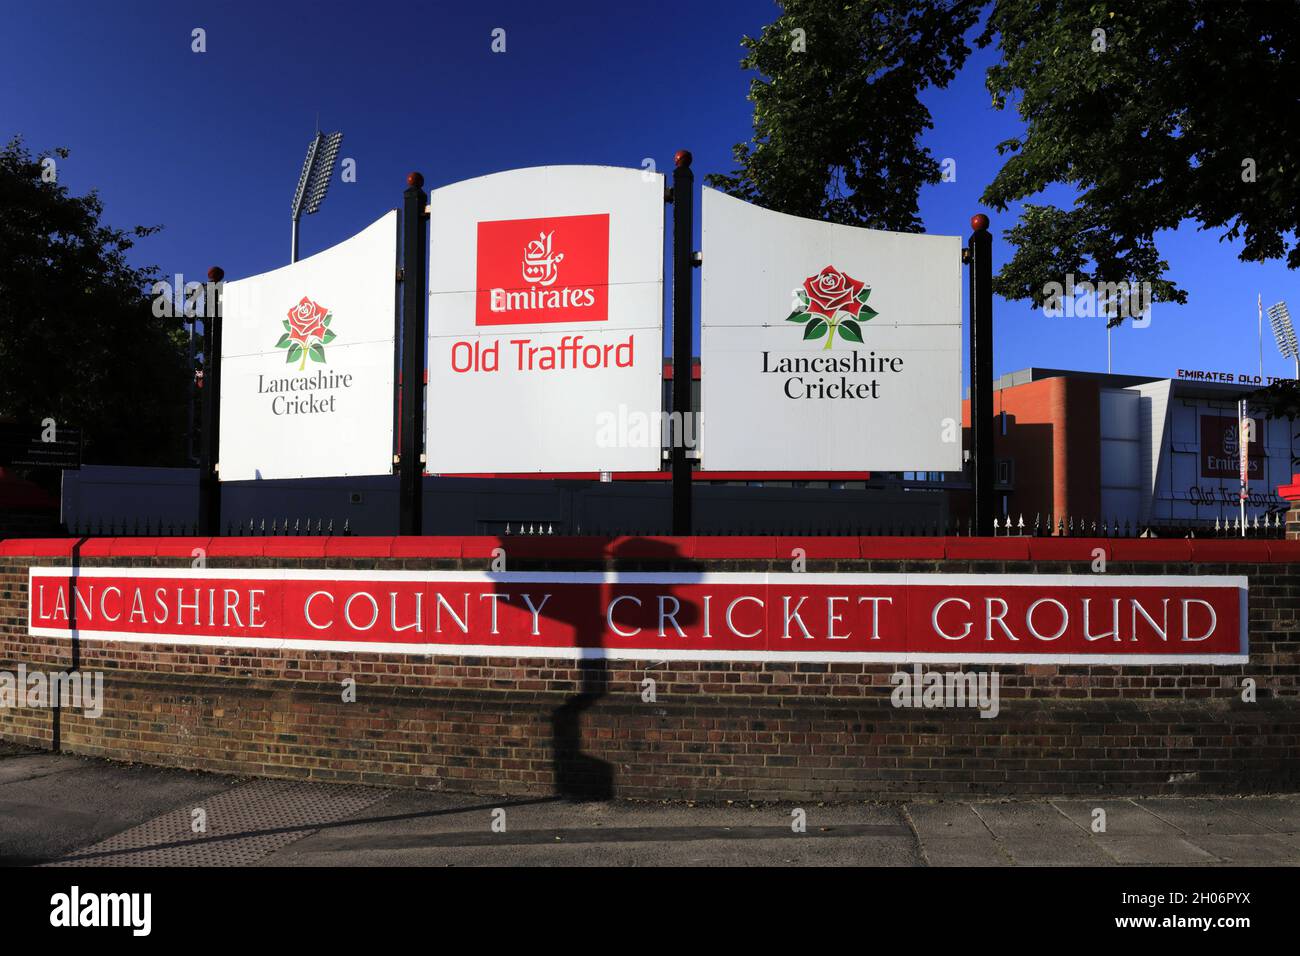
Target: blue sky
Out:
[210,145]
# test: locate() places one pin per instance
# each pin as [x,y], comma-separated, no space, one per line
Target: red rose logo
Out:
[306,331]
[831,291]
[307,321]
[832,301]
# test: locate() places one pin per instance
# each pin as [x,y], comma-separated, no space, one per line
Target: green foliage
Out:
[836,126]
[1151,133]
[78,339]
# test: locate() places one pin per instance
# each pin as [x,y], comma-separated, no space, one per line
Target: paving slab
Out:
[964,851]
[1169,850]
[1123,817]
[1037,834]
[1276,813]
[1250,848]
[947,820]
[1196,816]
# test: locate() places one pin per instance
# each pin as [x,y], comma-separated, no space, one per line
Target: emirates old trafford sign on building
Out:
[307,364]
[831,347]
[545,320]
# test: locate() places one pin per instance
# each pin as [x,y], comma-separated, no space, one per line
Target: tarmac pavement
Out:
[58,809]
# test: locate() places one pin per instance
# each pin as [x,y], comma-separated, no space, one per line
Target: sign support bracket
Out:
[415,284]
[209,451]
[683,200]
[979,258]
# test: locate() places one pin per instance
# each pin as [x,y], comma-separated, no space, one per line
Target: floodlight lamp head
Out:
[304,177]
[322,171]
[1279,317]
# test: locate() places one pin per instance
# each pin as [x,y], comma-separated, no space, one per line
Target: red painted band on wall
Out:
[585,547]
[658,615]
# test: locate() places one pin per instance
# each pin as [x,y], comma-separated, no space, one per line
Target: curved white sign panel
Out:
[546,321]
[827,347]
[307,364]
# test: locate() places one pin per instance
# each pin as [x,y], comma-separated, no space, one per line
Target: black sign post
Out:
[683,200]
[415,283]
[209,452]
[979,257]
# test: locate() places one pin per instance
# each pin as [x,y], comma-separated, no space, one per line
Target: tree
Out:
[836,109]
[78,340]
[1155,114]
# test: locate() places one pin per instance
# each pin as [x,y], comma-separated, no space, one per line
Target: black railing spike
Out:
[347,526]
[330,529]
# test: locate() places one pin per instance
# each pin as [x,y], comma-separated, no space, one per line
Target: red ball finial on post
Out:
[682,158]
[415,180]
[216,274]
[979,222]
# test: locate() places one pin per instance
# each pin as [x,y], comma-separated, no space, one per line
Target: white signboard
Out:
[307,364]
[827,347]
[546,321]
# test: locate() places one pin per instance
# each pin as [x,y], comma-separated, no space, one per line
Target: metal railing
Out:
[1269,526]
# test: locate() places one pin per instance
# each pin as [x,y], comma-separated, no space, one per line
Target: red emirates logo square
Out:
[543,270]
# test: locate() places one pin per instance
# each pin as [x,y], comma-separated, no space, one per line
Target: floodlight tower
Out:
[1284,332]
[317,170]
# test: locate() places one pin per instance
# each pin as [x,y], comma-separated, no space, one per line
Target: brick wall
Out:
[717,730]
